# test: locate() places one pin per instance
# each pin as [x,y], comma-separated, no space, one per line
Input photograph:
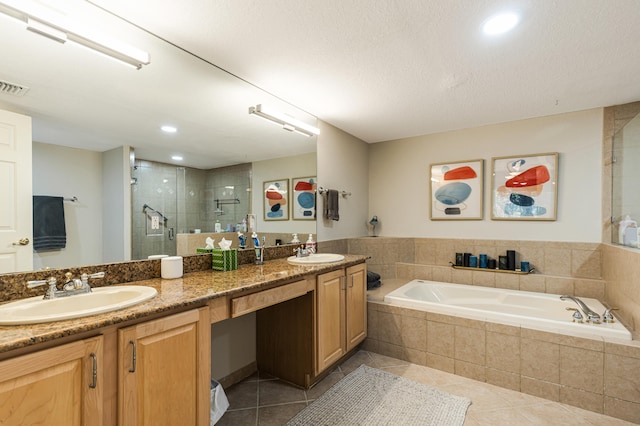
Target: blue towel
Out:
[49,231]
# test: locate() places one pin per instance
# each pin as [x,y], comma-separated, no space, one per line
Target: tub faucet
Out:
[592,317]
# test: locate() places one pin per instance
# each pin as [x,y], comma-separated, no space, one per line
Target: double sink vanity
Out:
[117,367]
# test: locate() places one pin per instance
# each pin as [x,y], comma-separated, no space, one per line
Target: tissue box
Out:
[224,260]
[204,250]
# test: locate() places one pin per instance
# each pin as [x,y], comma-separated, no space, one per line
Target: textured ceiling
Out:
[382,69]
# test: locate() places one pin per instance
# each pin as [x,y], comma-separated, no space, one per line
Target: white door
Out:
[16,229]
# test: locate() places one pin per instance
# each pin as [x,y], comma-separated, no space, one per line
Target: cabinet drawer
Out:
[255,301]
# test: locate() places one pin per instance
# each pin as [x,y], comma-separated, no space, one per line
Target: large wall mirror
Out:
[625,200]
[97,141]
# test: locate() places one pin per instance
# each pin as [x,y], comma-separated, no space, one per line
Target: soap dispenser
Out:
[310,245]
[295,239]
[218,226]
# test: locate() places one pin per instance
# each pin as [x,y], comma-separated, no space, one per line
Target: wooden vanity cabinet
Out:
[164,371]
[297,340]
[341,313]
[56,386]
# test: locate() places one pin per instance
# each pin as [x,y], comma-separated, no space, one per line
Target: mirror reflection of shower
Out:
[188,199]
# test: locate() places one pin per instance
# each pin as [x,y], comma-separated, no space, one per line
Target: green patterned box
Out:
[204,250]
[224,260]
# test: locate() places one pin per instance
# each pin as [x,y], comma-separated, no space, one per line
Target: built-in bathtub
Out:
[538,311]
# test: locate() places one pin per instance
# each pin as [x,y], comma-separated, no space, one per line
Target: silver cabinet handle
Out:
[133,365]
[94,380]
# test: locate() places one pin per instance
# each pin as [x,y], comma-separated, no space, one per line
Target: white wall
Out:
[69,172]
[116,205]
[281,168]
[399,178]
[343,164]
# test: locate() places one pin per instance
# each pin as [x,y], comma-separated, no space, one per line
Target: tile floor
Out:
[268,401]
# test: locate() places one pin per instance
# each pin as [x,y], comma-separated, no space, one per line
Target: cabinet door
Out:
[356,305]
[57,386]
[164,371]
[330,318]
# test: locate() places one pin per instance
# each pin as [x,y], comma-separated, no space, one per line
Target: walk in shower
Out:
[168,200]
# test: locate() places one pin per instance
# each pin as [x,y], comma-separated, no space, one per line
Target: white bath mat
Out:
[369,396]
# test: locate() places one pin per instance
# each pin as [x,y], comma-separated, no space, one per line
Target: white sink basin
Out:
[316,258]
[35,310]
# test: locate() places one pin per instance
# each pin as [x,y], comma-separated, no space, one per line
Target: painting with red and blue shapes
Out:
[525,187]
[304,198]
[457,190]
[276,193]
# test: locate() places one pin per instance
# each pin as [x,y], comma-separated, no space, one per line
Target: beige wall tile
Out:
[630,349]
[441,339]
[502,328]
[405,270]
[582,369]
[582,399]
[586,264]
[461,276]
[425,251]
[440,362]
[423,272]
[470,370]
[414,333]
[372,322]
[503,379]
[589,288]
[503,352]
[507,281]
[629,411]
[622,377]
[370,344]
[415,356]
[393,351]
[390,328]
[470,344]
[540,360]
[483,278]
[540,388]
[557,261]
[532,282]
[559,285]
[442,274]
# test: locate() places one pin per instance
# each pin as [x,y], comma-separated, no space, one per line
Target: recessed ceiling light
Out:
[169,129]
[176,157]
[500,23]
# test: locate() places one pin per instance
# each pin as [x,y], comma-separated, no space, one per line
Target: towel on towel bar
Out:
[331,205]
[49,231]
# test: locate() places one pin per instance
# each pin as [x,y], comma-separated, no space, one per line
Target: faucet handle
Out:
[608,316]
[577,315]
[37,283]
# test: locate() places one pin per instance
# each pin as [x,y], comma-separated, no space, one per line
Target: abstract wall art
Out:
[525,187]
[303,205]
[276,196]
[456,190]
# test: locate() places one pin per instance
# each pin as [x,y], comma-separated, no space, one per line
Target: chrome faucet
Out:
[71,286]
[301,252]
[592,316]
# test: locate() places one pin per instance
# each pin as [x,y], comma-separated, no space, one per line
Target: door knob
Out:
[21,242]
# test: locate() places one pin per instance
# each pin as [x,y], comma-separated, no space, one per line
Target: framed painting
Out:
[276,199]
[525,187]
[303,203]
[457,190]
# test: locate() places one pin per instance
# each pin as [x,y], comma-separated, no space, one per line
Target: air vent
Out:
[12,88]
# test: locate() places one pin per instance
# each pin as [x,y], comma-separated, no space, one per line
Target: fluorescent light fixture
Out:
[286,121]
[168,129]
[176,157]
[56,27]
[501,23]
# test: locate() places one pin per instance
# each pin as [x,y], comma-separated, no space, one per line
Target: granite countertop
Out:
[192,290]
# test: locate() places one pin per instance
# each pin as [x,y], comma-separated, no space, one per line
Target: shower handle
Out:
[171,234]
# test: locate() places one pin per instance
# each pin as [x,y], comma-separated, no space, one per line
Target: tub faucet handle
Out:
[577,315]
[608,316]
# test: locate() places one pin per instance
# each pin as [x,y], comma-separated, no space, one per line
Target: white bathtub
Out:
[539,311]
